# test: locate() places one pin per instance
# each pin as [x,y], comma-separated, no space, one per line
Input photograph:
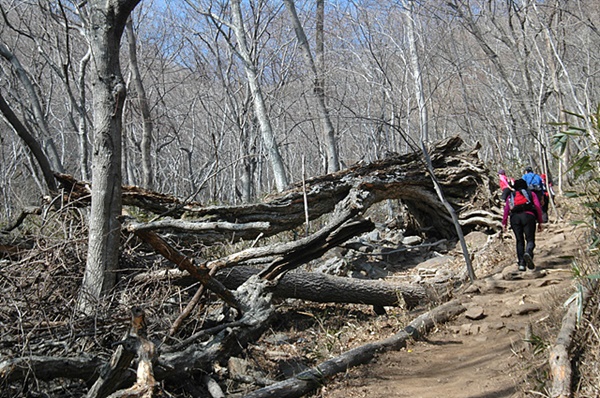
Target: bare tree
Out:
[31,142]
[243,50]
[424,127]
[142,101]
[104,22]
[49,46]
[331,146]
[35,103]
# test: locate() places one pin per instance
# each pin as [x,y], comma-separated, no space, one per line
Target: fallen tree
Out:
[461,174]
[559,357]
[319,287]
[324,288]
[245,281]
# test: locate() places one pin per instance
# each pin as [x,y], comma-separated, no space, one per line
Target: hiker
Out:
[548,192]
[534,181]
[505,184]
[525,211]
[536,184]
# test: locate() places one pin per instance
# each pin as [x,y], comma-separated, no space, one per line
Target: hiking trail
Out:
[484,352]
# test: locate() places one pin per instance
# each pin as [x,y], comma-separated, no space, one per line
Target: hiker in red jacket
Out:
[524,209]
[505,184]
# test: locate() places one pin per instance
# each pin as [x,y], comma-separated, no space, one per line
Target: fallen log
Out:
[257,313]
[324,288]
[79,193]
[213,387]
[559,357]
[289,256]
[49,368]
[284,257]
[185,263]
[116,371]
[227,342]
[318,287]
[344,197]
[316,377]
[22,216]
[145,382]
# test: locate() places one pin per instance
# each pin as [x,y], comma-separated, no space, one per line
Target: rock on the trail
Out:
[475,313]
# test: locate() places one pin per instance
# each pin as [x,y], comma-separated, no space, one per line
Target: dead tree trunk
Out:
[324,288]
[559,357]
[462,176]
[318,287]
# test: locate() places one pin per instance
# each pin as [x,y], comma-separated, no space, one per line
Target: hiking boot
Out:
[528,260]
[521,267]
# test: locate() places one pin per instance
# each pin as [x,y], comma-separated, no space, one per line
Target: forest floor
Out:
[500,354]
[503,352]
[497,348]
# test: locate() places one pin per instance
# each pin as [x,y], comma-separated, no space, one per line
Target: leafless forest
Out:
[169,167]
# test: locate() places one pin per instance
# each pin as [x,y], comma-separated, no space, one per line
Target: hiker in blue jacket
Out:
[535,183]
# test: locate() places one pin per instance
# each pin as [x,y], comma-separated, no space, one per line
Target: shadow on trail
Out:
[504,393]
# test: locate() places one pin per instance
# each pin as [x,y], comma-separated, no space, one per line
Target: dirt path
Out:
[485,357]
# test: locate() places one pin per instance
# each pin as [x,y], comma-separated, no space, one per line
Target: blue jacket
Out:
[532,179]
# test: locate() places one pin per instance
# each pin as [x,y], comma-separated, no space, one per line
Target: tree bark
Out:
[462,177]
[559,358]
[104,28]
[83,128]
[322,288]
[185,263]
[115,372]
[49,368]
[257,313]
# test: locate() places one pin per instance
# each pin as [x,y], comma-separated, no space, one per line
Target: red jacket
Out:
[536,203]
[505,182]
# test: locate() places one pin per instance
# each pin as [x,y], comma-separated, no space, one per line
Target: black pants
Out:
[523,225]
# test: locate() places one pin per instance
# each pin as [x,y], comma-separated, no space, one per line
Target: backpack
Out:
[521,201]
[534,182]
[536,187]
